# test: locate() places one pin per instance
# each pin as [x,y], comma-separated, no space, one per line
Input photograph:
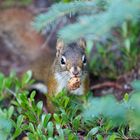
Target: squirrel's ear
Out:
[82,43]
[59,47]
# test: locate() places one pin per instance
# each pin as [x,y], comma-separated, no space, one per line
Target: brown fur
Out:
[18,34]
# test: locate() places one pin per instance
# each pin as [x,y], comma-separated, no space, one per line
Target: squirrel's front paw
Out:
[73,83]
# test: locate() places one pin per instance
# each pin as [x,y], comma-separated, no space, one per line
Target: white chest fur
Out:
[62,80]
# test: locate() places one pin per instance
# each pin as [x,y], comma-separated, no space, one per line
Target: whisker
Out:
[61,77]
[64,76]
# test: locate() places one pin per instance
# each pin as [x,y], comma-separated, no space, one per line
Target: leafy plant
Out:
[122,115]
[23,115]
[74,119]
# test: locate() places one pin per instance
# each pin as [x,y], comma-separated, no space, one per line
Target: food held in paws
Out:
[74,83]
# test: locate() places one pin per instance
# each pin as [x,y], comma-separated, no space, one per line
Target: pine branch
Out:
[97,25]
[61,9]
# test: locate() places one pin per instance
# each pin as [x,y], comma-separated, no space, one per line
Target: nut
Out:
[74,83]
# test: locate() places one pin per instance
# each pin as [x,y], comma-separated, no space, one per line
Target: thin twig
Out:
[107,84]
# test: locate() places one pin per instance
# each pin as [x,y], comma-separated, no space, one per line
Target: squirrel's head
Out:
[71,58]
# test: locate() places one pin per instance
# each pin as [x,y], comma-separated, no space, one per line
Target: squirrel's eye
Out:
[63,60]
[84,59]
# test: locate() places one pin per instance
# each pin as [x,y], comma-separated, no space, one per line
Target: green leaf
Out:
[112,137]
[76,122]
[23,99]
[66,101]
[50,129]
[60,132]
[32,136]
[126,97]
[19,121]
[32,96]
[26,77]
[57,118]
[92,132]
[99,137]
[44,119]
[48,116]
[10,111]
[31,116]
[65,118]
[18,128]
[39,108]
[124,29]
[5,128]
[127,44]
[31,127]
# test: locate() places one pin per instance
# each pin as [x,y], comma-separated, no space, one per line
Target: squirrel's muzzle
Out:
[75,71]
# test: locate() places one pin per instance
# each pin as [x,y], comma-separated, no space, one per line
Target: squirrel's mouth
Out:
[75,76]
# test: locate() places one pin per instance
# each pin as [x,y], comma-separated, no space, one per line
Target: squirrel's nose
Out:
[75,73]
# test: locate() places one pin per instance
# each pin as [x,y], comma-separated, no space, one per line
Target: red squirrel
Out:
[54,70]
